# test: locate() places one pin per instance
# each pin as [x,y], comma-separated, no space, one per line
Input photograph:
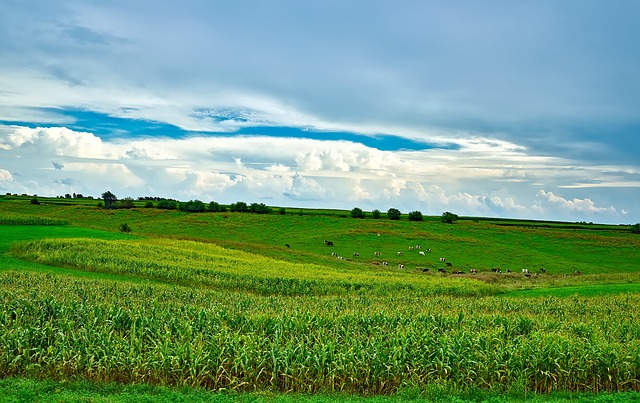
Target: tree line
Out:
[110,201]
[395,214]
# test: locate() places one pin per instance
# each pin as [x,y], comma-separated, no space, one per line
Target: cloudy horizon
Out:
[499,108]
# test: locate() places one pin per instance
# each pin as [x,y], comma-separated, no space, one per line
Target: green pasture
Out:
[216,302]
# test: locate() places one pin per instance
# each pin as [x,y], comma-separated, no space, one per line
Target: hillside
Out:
[261,303]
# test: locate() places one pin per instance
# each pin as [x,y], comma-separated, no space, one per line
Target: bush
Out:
[449,218]
[239,206]
[357,213]
[282,210]
[193,206]
[214,207]
[126,203]
[635,228]
[148,204]
[376,214]
[125,227]
[394,214]
[260,208]
[35,201]
[415,216]
[167,204]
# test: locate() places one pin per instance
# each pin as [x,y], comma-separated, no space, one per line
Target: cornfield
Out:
[362,343]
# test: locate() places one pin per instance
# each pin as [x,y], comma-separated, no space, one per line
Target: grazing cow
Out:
[421,253]
[401,266]
[377,253]
[426,269]
[577,272]
[543,270]
[527,275]
[356,254]
[334,254]
[378,234]
[442,259]
[410,247]
[375,263]
[507,271]
[340,257]
[385,263]
[494,269]
[328,243]
[449,264]
[474,271]
[525,270]
[418,246]
[457,272]
[428,249]
[441,270]
[400,253]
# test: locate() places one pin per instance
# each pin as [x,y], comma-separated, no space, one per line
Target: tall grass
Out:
[19,219]
[203,264]
[59,328]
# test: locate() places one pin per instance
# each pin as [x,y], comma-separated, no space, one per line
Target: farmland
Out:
[218,301]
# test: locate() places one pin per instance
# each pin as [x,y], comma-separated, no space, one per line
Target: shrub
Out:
[167,204]
[193,206]
[635,228]
[376,214]
[148,204]
[357,213]
[282,210]
[415,216]
[239,206]
[214,207]
[394,214]
[449,218]
[35,201]
[259,208]
[125,227]
[126,203]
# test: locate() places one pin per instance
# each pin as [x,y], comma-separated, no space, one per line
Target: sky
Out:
[498,108]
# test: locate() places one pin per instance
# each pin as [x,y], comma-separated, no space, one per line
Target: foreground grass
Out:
[70,329]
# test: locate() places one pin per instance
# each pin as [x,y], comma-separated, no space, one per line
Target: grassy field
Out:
[218,302]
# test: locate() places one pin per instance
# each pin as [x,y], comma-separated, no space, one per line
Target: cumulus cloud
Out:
[305,189]
[585,205]
[335,174]
[332,160]
[5,176]
[56,141]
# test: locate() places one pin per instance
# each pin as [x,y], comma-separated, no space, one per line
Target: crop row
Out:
[56,327]
[20,219]
[203,264]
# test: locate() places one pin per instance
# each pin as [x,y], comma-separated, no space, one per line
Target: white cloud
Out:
[305,189]
[5,176]
[585,205]
[313,173]
[54,141]
[332,160]
[509,206]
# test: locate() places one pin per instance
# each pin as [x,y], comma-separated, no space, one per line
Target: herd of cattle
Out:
[443,269]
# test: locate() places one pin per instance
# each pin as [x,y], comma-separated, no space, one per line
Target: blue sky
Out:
[493,108]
